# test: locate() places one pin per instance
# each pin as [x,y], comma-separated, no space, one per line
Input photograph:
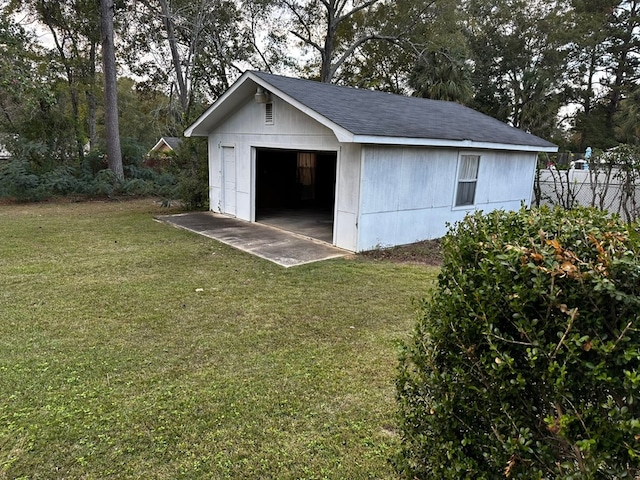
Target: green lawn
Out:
[114,365]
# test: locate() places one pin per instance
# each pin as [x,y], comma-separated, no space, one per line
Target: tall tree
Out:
[442,75]
[143,115]
[518,54]
[415,34]
[114,155]
[74,29]
[623,50]
[604,66]
[35,120]
[195,48]
[586,26]
[628,118]
[336,30]
[19,76]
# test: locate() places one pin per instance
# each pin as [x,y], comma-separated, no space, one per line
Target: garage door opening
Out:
[295,191]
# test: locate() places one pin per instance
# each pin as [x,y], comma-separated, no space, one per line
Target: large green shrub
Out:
[26,180]
[524,363]
[17,180]
[192,171]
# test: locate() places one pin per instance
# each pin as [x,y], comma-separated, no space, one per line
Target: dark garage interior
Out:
[295,191]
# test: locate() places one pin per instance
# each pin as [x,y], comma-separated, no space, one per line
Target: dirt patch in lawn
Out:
[427,252]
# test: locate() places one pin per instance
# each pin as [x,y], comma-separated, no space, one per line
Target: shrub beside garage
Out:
[525,361]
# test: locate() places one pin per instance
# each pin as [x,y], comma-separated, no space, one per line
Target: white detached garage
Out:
[384,169]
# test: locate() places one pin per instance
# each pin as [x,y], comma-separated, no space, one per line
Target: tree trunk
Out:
[114,155]
[92,104]
[326,68]
[73,94]
[175,56]
[75,108]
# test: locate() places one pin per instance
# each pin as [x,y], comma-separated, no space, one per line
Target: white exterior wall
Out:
[246,130]
[408,193]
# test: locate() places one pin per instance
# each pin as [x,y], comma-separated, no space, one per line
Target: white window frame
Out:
[461,180]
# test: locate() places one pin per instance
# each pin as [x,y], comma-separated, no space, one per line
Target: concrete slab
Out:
[311,223]
[281,247]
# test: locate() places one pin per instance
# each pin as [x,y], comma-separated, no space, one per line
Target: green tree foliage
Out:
[586,28]
[192,49]
[416,42]
[34,119]
[192,170]
[74,26]
[25,89]
[603,66]
[340,39]
[525,363]
[518,54]
[328,29]
[591,128]
[145,114]
[441,68]
[442,75]
[623,49]
[627,119]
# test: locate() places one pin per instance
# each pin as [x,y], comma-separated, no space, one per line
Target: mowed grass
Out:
[114,365]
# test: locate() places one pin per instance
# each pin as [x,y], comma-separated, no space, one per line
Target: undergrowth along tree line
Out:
[525,363]
[29,175]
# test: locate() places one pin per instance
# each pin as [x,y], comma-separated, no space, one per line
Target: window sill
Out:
[464,207]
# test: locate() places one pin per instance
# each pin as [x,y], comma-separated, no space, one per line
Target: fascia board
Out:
[434,142]
[190,131]
[157,145]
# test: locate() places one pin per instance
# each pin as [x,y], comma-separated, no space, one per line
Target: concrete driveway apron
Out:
[281,247]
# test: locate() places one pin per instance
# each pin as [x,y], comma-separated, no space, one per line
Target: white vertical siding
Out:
[229,182]
[408,192]
[406,195]
[345,231]
[505,178]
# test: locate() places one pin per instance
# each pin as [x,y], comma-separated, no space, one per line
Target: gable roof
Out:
[368,116]
[171,142]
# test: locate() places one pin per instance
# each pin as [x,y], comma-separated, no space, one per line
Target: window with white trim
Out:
[468,166]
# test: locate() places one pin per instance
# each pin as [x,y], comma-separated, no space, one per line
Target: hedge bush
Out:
[524,363]
[21,181]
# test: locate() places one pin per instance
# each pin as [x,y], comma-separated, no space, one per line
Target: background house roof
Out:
[171,142]
[368,116]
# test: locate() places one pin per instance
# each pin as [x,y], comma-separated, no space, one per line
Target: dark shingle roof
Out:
[173,142]
[374,113]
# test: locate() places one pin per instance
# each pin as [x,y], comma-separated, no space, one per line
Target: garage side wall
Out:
[408,193]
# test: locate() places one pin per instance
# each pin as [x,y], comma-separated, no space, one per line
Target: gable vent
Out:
[268,113]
